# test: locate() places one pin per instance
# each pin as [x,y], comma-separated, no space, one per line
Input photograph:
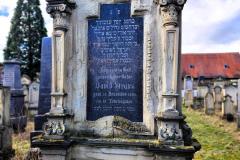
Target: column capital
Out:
[170,10]
[60,10]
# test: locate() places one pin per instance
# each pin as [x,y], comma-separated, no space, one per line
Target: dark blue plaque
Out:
[115,61]
[44,104]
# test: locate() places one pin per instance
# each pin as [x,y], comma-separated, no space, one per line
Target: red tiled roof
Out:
[211,65]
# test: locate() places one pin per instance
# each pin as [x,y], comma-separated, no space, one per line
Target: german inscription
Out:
[115,57]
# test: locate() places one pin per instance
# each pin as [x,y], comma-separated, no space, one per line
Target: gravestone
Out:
[44,101]
[238,107]
[115,62]
[209,103]
[228,107]
[218,97]
[12,79]
[6,151]
[116,79]
[231,89]
[26,81]
[188,87]
[33,98]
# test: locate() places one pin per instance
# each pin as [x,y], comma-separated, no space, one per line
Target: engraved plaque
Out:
[115,61]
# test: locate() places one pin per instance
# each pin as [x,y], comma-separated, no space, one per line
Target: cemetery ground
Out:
[21,142]
[219,139]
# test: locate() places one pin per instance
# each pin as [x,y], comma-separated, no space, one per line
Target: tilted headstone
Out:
[6,151]
[44,101]
[218,97]
[12,79]
[209,103]
[228,107]
[33,98]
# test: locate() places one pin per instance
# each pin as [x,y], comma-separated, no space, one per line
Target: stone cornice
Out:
[60,10]
[170,11]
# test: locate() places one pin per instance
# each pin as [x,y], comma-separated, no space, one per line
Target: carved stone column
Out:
[169,117]
[60,11]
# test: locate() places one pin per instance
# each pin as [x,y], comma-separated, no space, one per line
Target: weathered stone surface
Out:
[80,53]
[12,79]
[33,98]
[6,151]
[228,107]
[218,97]
[209,103]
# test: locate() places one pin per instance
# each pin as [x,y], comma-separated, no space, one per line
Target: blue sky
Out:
[208,25]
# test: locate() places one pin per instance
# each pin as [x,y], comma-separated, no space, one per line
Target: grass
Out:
[219,139]
[21,142]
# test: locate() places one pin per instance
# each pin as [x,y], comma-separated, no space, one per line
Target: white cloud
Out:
[201,18]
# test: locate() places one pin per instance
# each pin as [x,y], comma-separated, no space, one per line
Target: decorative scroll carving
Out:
[170,10]
[170,133]
[54,128]
[60,12]
[168,126]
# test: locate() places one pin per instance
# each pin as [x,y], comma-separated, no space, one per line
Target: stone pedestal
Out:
[109,149]
[6,151]
[12,79]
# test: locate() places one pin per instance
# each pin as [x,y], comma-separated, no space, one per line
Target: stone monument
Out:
[238,106]
[218,97]
[33,98]
[116,82]
[209,103]
[12,79]
[44,102]
[26,81]
[188,87]
[228,110]
[6,151]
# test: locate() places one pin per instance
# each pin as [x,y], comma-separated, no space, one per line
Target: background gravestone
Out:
[26,81]
[218,97]
[228,110]
[12,79]
[44,103]
[33,98]
[209,103]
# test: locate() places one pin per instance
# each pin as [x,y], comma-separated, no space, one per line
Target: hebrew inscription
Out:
[115,60]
